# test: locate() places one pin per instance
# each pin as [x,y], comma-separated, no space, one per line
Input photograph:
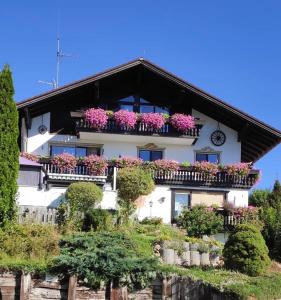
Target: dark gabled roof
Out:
[266,137]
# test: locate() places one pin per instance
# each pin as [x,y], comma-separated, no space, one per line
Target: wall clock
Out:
[218,138]
[42,129]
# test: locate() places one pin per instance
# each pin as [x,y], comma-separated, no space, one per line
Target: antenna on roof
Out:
[55,82]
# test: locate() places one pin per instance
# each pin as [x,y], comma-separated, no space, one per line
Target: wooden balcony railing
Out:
[186,177]
[140,129]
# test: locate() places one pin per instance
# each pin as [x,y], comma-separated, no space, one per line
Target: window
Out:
[210,157]
[140,105]
[75,150]
[150,155]
[181,201]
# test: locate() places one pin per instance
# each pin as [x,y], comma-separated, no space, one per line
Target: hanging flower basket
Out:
[182,122]
[97,117]
[154,121]
[96,165]
[65,162]
[125,118]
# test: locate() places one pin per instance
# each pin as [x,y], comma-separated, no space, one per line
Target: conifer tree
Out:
[9,152]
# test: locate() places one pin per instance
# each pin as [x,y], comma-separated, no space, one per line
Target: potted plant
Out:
[96,117]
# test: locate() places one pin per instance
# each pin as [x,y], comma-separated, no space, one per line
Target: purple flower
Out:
[95,164]
[166,165]
[154,121]
[65,162]
[182,122]
[127,161]
[97,117]
[125,118]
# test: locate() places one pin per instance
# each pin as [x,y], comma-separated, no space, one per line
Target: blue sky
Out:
[231,49]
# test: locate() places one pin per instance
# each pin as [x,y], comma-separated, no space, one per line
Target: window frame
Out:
[75,146]
[218,153]
[173,204]
[147,149]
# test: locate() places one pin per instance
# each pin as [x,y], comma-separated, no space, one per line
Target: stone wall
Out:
[25,287]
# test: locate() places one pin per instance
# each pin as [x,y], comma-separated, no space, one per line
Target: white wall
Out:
[160,198]
[230,151]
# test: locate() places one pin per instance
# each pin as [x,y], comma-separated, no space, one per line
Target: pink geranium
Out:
[166,165]
[182,122]
[125,118]
[127,162]
[206,167]
[65,162]
[97,117]
[240,168]
[95,164]
[29,156]
[154,121]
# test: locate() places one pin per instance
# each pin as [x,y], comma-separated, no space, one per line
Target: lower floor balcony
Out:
[185,176]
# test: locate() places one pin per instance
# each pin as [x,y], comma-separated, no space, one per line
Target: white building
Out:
[53,123]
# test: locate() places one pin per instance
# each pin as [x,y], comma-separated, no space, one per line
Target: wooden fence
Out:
[37,215]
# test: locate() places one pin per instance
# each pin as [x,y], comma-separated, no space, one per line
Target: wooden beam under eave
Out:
[97,90]
[243,132]
[27,118]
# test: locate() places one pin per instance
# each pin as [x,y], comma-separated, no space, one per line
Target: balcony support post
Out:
[114,178]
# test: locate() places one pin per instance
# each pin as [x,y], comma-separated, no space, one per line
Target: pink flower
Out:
[206,167]
[240,168]
[182,122]
[65,162]
[154,121]
[97,117]
[125,118]
[166,165]
[127,161]
[95,164]
[29,156]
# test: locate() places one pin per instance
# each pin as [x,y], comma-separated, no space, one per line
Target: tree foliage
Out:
[259,197]
[200,220]
[9,152]
[132,183]
[246,251]
[109,257]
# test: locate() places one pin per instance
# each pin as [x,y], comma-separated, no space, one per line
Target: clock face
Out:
[218,138]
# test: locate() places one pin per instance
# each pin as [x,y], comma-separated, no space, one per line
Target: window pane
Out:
[161,110]
[81,152]
[201,157]
[156,155]
[213,158]
[146,109]
[144,155]
[55,150]
[181,202]
[93,151]
[127,107]
[143,101]
[130,99]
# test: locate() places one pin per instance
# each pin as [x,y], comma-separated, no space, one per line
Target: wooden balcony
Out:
[183,177]
[140,129]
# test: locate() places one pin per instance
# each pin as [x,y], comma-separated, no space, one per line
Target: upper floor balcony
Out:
[165,132]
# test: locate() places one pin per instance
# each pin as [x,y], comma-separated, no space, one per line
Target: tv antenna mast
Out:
[55,82]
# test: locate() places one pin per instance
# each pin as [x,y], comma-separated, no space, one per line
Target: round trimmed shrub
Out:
[133,183]
[246,251]
[81,196]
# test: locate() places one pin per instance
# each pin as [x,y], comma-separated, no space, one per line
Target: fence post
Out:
[114,178]
[72,283]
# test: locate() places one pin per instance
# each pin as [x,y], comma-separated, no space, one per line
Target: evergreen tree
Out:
[9,152]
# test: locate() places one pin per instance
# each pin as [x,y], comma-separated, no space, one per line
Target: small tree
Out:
[132,183]
[200,220]
[275,196]
[246,251]
[109,257]
[259,197]
[80,197]
[9,152]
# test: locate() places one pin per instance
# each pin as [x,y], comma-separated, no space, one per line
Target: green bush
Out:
[98,219]
[152,221]
[80,197]
[105,257]
[246,251]
[200,220]
[28,241]
[132,183]
[259,197]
